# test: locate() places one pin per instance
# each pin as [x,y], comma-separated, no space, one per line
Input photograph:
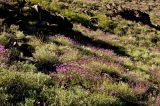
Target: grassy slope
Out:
[116,64]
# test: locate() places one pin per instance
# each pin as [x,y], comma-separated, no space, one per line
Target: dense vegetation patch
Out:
[79,53]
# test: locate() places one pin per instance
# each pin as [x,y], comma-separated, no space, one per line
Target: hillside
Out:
[80,53]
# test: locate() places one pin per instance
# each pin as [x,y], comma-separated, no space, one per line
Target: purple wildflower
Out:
[158,101]
[76,73]
[140,87]
[3,53]
[2,49]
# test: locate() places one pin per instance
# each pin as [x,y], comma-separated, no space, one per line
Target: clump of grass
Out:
[35,41]
[14,54]
[101,66]
[55,6]
[52,54]
[23,66]
[77,17]
[70,55]
[105,23]
[70,14]
[40,2]
[61,40]
[45,54]
[77,96]
[119,89]
[121,28]
[15,30]
[3,39]
[19,86]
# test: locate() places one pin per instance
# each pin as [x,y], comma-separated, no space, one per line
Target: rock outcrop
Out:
[32,18]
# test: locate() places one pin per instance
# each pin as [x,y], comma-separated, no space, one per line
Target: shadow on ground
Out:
[33,22]
[137,16]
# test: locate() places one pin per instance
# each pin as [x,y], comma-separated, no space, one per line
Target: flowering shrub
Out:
[85,72]
[158,101]
[140,87]
[3,53]
[73,74]
[104,60]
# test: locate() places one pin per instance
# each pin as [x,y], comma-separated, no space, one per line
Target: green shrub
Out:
[29,102]
[105,23]
[20,86]
[77,17]
[60,97]
[102,99]
[76,96]
[46,54]
[121,28]
[3,97]
[55,6]
[44,3]
[14,53]
[3,39]
[68,54]
[15,30]
[111,71]
[23,67]
[120,89]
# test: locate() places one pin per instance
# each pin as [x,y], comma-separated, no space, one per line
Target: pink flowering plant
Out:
[71,74]
[3,53]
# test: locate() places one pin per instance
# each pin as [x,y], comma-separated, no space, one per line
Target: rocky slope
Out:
[79,52]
